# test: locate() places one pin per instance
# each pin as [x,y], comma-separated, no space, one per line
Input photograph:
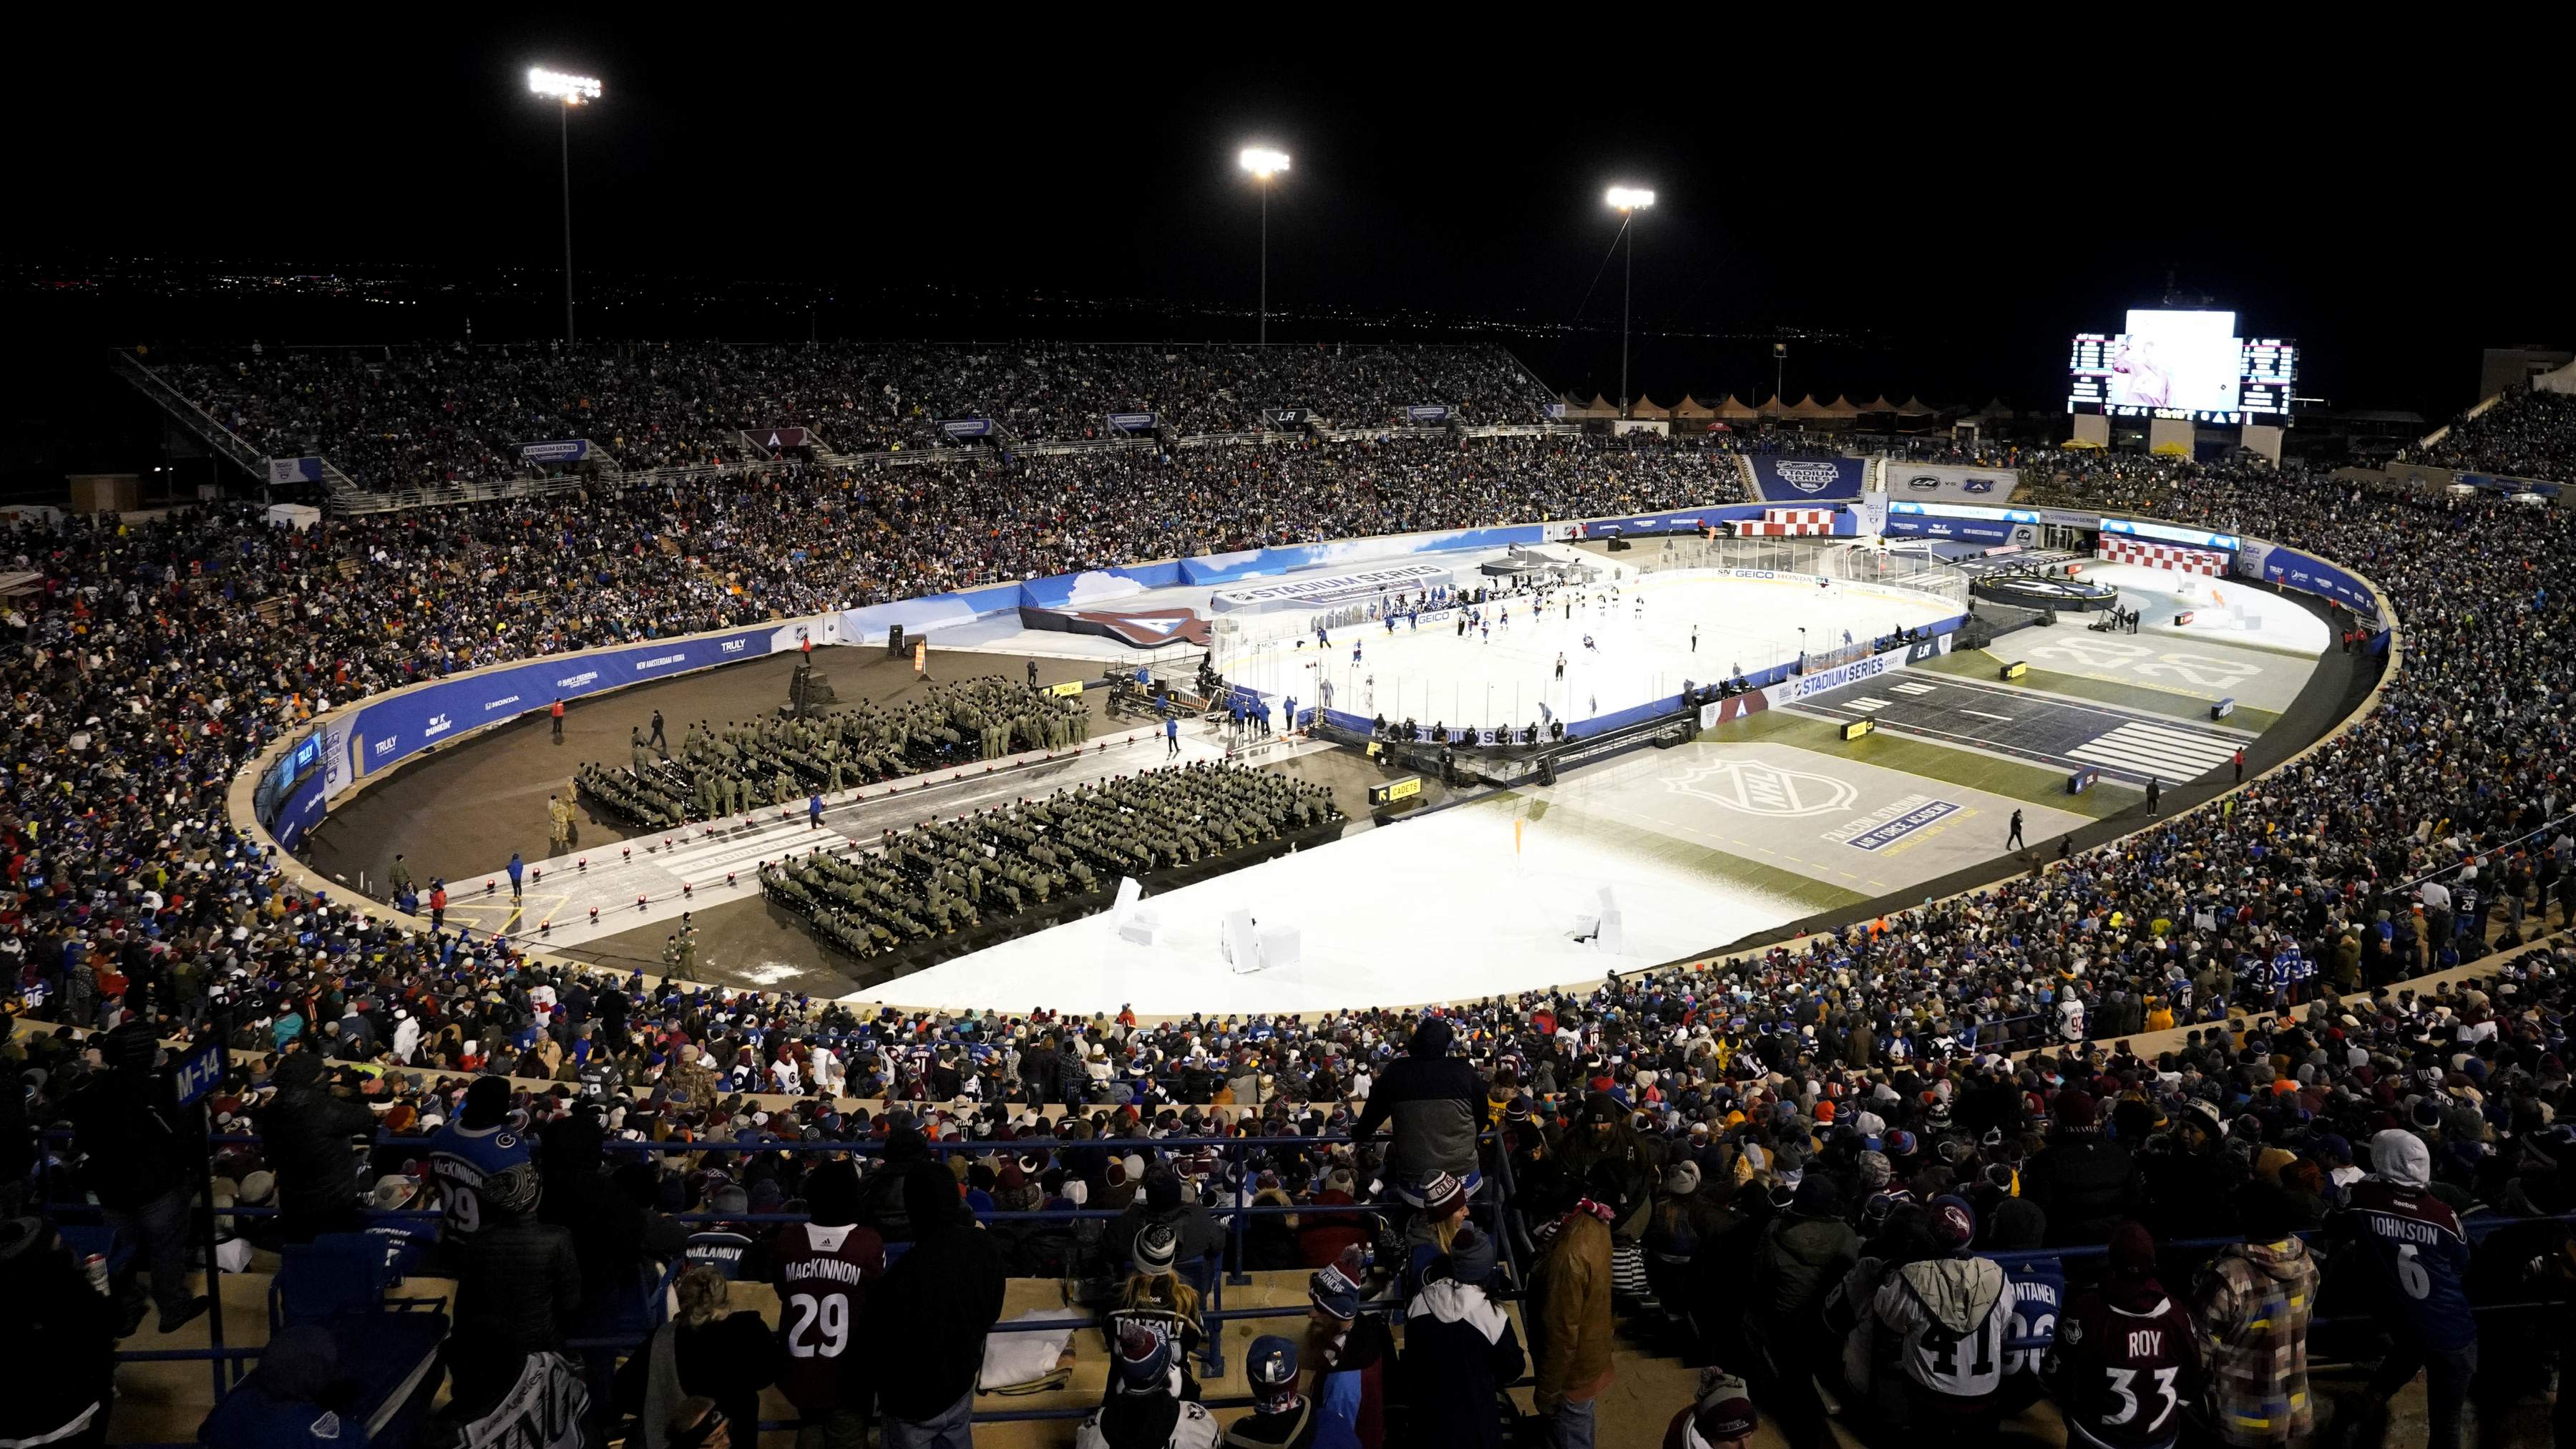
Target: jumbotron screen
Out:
[2189,366]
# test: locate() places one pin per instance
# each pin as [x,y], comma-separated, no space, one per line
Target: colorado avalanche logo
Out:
[1755,787]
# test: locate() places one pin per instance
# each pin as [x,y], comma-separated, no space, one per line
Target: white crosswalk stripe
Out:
[2146,749]
[1911,688]
[1867,704]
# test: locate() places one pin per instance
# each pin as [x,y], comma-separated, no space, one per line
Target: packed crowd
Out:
[143,673]
[412,416]
[2527,434]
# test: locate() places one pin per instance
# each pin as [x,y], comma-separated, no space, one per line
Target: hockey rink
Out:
[2221,610]
[1624,642]
[1456,906]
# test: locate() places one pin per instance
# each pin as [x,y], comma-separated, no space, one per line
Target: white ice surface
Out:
[1432,675]
[2223,610]
[1440,909]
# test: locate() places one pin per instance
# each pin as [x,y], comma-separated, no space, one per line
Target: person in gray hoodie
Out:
[1949,1316]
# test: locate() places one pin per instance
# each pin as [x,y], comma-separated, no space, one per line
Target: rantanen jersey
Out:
[822,1276]
[2121,1377]
[2423,1260]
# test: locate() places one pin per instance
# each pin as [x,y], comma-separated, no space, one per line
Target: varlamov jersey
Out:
[2121,1377]
[822,1276]
[2423,1260]
[460,1158]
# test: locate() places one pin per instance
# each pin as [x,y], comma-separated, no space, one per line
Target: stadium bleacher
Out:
[2428,838]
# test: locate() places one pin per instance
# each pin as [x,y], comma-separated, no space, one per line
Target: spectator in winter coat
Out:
[2252,1304]
[1459,1349]
[127,1128]
[1322,1237]
[2081,1179]
[518,1293]
[1350,1354]
[927,1319]
[1571,1331]
[1804,1253]
[1144,1408]
[306,1130]
[1436,1104]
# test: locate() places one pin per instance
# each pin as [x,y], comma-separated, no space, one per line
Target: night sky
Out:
[1947,209]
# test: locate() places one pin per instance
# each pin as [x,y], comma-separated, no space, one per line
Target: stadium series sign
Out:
[560,450]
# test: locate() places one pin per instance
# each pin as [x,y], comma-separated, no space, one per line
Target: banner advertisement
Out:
[393,728]
[560,450]
[1929,481]
[294,470]
[1427,413]
[1791,480]
[1132,422]
[1284,419]
[2294,570]
[779,440]
[966,427]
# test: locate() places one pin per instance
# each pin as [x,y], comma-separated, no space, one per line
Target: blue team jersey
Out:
[2037,1290]
[2422,1257]
[460,1158]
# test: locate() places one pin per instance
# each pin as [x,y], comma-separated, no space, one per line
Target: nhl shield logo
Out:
[1756,787]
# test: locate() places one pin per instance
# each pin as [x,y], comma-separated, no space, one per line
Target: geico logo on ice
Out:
[439,724]
[496,704]
[1808,477]
[578,680]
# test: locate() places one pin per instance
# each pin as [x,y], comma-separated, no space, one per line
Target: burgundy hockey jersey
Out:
[2122,1378]
[822,1277]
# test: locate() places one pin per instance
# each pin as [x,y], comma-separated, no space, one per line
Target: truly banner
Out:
[400,725]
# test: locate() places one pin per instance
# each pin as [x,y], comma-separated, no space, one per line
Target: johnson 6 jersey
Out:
[2414,1240]
[822,1276]
[460,1158]
[2121,1377]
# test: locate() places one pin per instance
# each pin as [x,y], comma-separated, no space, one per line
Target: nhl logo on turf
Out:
[1755,787]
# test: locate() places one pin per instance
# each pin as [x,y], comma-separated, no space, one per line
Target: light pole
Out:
[571,91]
[1264,163]
[1628,200]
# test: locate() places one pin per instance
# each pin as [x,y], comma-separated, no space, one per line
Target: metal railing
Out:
[1210,1273]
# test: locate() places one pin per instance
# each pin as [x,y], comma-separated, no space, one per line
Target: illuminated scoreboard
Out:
[2182,366]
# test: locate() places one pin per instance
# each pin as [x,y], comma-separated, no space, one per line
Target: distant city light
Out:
[1262,162]
[572,90]
[1631,198]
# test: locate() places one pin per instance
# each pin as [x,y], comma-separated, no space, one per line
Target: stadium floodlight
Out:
[1628,201]
[1264,163]
[571,90]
